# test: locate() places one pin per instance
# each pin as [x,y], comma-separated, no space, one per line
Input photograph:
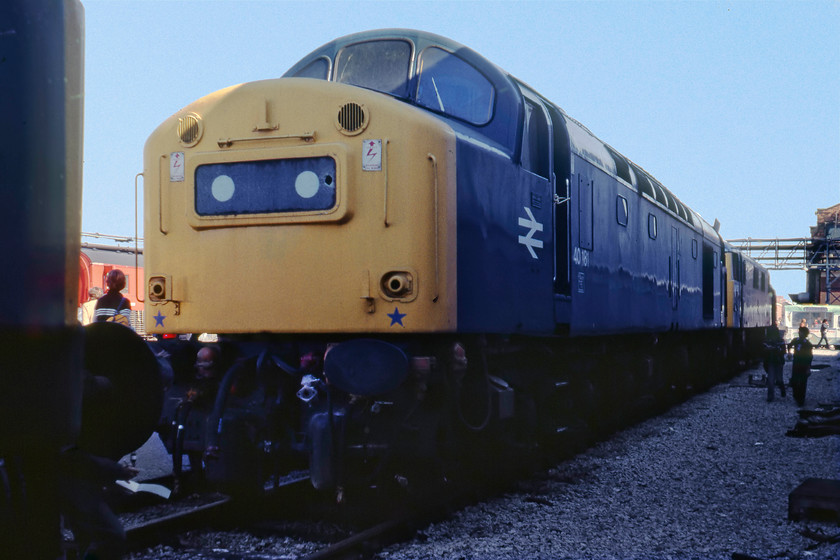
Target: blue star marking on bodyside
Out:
[397,317]
[159,319]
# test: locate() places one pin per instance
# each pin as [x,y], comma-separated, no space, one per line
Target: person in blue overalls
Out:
[774,361]
[803,354]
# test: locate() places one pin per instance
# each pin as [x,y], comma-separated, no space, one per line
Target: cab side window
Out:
[318,69]
[449,85]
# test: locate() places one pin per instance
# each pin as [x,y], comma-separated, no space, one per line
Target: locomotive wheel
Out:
[699,375]
[621,387]
[587,401]
[123,395]
[646,384]
[680,368]
[720,361]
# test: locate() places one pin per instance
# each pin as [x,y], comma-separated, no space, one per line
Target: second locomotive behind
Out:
[409,254]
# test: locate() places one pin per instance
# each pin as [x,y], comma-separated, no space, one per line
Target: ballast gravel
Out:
[709,479]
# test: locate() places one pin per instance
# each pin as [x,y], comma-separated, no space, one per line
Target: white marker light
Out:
[306,184]
[222,188]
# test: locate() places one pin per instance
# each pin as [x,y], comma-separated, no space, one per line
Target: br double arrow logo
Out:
[533,227]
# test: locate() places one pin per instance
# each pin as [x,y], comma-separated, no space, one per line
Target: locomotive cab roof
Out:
[426,70]
[445,77]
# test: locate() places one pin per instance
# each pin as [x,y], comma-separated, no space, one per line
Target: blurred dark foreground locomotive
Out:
[45,355]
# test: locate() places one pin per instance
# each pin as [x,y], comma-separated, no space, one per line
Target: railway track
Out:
[281,524]
[368,541]
[163,521]
[268,540]
[184,515]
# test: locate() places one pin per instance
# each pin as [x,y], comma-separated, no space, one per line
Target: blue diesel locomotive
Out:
[410,254]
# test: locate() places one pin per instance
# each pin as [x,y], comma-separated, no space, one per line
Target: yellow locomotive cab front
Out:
[258,194]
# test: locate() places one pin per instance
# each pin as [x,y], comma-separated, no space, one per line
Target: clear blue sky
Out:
[735,106]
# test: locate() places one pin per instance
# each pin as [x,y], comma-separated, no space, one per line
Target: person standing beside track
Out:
[823,337]
[803,354]
[113,306]
[774,361]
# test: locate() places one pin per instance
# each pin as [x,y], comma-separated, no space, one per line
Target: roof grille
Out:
[352,118]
